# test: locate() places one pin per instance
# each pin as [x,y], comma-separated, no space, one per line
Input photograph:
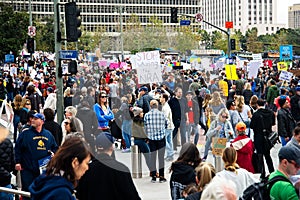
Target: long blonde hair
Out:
[204,174]
[216,99]
[239,102]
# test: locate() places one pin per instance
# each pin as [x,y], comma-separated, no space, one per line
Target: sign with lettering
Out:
[148,67]
[286,52]
[218,145]
[285,75]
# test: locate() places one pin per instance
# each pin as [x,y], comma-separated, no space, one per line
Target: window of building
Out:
[272,28]
[267,28]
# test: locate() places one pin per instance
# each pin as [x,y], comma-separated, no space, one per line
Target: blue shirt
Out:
[155,124]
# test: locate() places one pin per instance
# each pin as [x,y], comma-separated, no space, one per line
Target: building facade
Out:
[245,14]
[294,16]
[108,13]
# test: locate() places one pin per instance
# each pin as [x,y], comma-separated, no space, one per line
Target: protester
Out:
[103,112]
[53,126]
[241,177]
[183,169]
[33,144]
[106,178]
[289,164]
[63,171]
[244,147]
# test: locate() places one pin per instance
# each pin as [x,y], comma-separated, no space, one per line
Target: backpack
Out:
[261,190]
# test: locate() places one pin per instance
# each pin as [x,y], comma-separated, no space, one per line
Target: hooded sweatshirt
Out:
[51,187]
[182,175]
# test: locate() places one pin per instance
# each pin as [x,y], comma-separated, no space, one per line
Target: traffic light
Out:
[72,67]
[30,45]
[232,44]
[72,22]
[174,12]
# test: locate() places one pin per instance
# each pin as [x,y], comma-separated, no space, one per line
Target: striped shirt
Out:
[155,124]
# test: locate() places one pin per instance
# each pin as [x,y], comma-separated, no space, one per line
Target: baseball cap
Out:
[39,116]
[50,89]
[241,126]
[189,92]
[104,140]
[298,88]
[144,88]
[290,153]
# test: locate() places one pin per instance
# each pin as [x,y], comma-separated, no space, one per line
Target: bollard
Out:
[218,163]
[136,162]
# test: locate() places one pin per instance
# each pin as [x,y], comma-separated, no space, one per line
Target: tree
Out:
[45,35]
[14,27]
[253,44]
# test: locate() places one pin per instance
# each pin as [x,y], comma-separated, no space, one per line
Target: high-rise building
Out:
[294,16]
[245,14]
[106,13]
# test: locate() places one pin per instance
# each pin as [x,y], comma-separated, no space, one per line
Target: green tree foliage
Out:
[13,26]
[253,44]
[45,35]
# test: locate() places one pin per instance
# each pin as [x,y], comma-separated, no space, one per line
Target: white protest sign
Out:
[285,75]
[148,67]
[206,62]
[253,67]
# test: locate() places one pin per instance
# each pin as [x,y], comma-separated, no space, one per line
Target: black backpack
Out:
[261,190]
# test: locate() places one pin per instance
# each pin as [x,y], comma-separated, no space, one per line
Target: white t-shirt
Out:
[244,113]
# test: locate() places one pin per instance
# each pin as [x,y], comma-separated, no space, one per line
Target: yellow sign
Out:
[218,145]
[230,71]
[282,66]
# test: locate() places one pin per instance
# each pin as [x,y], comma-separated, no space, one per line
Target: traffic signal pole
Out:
[59,81]
[228,32]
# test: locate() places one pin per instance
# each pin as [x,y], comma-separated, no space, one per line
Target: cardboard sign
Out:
[148,67]
[218,144]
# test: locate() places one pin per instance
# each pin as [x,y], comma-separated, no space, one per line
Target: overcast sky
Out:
[282,9]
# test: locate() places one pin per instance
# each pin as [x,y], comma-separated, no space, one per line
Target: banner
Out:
[285,75]
[230,71]
[148,67]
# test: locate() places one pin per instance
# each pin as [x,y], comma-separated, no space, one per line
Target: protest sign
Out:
[285,75]
[230,71]
[218,145]
[148,67]
[253,67]
[282,66]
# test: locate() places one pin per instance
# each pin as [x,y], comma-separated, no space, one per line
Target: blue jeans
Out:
[190,128]
[144,148]
[207,145]
[126,132]
[169,143]
[6,196]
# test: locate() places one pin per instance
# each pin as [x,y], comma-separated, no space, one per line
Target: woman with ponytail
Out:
[241,177]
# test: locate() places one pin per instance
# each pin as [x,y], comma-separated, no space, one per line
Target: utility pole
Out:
[30,14]
[59,81]
[121,32]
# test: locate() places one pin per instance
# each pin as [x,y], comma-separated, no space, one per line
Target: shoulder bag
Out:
[271,137]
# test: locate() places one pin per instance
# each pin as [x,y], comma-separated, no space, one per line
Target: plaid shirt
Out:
[155,124]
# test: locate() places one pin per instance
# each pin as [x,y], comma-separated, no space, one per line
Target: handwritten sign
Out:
[218,145]
[285,75]
[148,67]
[282,66]
[230,71]
[253,68]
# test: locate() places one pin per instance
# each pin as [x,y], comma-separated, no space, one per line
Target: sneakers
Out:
[153,180]
[162,179]
[127,150]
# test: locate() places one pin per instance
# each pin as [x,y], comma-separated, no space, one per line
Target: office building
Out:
[245,14]
[294,16]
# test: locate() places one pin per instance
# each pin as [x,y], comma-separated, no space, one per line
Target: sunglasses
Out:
[28,103]
[103,96]
[66,123]
[294,163]
[225,117]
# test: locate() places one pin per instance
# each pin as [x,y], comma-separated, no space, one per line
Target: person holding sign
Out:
[220,127]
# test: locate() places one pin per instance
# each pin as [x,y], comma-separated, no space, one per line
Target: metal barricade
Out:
[136,162]
[13,191]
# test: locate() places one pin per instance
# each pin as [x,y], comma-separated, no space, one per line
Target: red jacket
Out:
[245,148]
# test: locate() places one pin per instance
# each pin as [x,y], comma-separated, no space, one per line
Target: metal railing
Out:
[13,191]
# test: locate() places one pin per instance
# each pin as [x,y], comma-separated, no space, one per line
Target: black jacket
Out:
[7,163]
[295,107]
[106,179]
[55,129]
[261,119]
[182,175]
[286,123]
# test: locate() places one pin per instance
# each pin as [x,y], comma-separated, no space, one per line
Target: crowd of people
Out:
[157,117]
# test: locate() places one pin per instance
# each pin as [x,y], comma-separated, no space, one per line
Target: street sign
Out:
[31,31]
[68,54]
[185,22]
[199,17]
[228,24]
